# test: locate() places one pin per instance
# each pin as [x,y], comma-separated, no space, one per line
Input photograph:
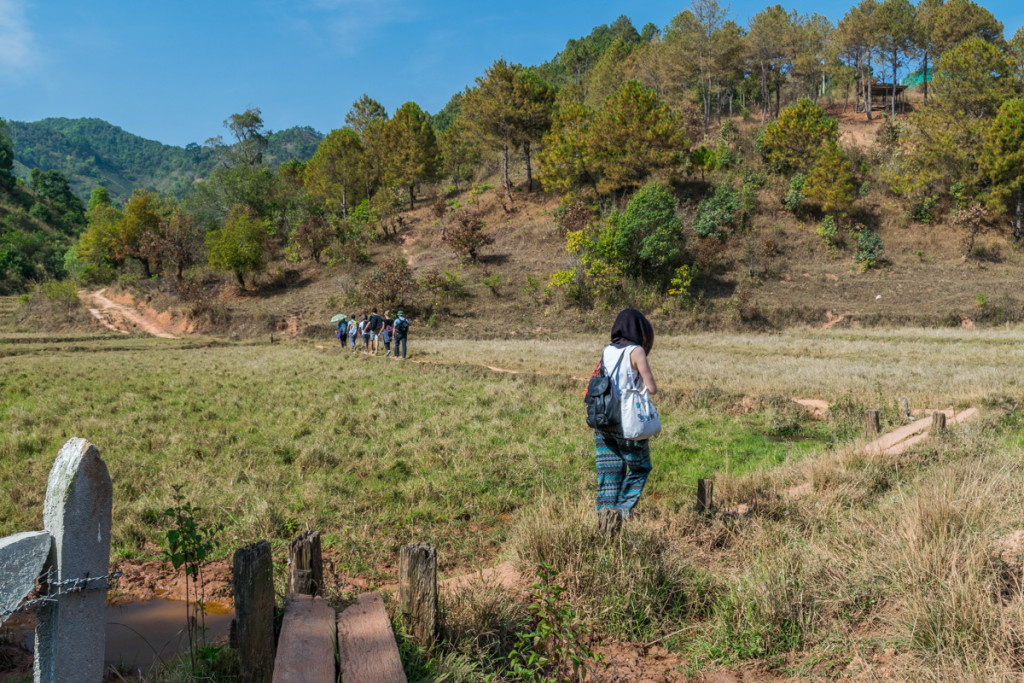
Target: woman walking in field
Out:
[623,464]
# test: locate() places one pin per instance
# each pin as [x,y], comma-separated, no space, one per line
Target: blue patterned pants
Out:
[622,469]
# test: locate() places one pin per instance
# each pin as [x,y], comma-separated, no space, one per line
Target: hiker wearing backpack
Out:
[353,332]
[624,464]
[387,334]
[401,326]
[343,330]
[364,332]
[374,326]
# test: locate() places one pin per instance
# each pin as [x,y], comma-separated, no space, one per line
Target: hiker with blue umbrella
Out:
[342,321]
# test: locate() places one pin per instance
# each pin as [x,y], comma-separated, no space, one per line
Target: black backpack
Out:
[604,410]
[402,326]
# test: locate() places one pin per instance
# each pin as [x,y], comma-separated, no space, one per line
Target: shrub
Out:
[795,193]
[830,184]
[718,211]
[573,214]
[466,235]
[444,288]
[645,241]
[493,283]
[922,209]
[869,248]
[794,141]
[829,233]
[390,284]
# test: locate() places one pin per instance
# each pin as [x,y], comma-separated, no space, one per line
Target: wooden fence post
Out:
[71,634]
[305,564]
[253,626]
[871,424]
[938,421]
[417,591]
[705,489]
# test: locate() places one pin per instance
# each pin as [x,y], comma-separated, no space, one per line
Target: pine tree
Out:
[1002,161]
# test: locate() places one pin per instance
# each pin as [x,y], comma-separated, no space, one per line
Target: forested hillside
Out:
[692,167]
[92,152]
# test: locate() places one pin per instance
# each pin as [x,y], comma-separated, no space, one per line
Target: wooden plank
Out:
[366,645]
[305,650]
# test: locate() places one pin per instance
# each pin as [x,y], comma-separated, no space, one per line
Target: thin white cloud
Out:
[16,37]
[353,22]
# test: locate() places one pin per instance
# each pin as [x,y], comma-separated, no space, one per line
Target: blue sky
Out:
[173,71]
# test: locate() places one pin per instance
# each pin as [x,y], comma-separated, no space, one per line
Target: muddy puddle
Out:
[140,634]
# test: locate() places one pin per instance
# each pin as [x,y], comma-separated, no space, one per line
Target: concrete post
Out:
[71,633]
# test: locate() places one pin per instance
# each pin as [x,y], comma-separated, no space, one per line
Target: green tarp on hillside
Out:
[916,78]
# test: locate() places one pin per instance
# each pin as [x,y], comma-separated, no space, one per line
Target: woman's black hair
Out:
[631,327]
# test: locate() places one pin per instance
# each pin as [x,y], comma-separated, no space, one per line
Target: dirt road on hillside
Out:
[121,318]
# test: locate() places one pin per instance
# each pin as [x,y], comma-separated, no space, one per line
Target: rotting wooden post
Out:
[705,489]
[938,421]
[871,424]
[305,564]
[254,612]
[417,591]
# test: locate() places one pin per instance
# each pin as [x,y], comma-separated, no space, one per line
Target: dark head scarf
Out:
[631,327]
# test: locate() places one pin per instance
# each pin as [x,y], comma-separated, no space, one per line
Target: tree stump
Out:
[938,422]
[417,591]
[305,564]
[871,424]
[254,612]
[705,489]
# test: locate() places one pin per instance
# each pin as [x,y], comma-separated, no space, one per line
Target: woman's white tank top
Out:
[626,377]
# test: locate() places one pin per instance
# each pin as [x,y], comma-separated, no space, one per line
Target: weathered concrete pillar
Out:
[22,557]
[71,633]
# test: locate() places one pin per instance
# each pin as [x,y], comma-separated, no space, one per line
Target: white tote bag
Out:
[639,417]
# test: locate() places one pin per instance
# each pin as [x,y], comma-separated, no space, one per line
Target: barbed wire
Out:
[49,589]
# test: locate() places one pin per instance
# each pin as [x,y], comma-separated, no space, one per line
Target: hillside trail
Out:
[121,318]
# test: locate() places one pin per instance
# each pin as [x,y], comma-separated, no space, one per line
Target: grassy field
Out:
[910,556]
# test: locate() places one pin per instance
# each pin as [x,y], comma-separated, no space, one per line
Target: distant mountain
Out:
[92,152]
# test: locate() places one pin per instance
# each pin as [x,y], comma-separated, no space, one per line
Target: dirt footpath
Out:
[121,318]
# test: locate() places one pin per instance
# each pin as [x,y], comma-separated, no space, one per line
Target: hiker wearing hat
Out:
[388,333]
[401,327]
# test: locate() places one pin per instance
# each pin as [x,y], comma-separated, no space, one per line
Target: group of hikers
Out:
[367,333]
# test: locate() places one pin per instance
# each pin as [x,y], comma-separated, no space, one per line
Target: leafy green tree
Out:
[634,135]
[179,241]
[945,141]
[97,247]
[6,157]
[646,241]
[1002,161]
[537,103]
[565,161]
[139,230]
[364,110]
[830,183]
[959,20]
[241,246]
[460,152]
[794,141]
[250,138]
[508,107]
[57,203]
[703,159]
[333,175]
[413,157]
[100,195]
[720,210]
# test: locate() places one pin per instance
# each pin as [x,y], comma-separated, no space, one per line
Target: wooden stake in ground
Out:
[305,564]
[254,612]
[705,489]
[938,421]
[871,424]
[417,591]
